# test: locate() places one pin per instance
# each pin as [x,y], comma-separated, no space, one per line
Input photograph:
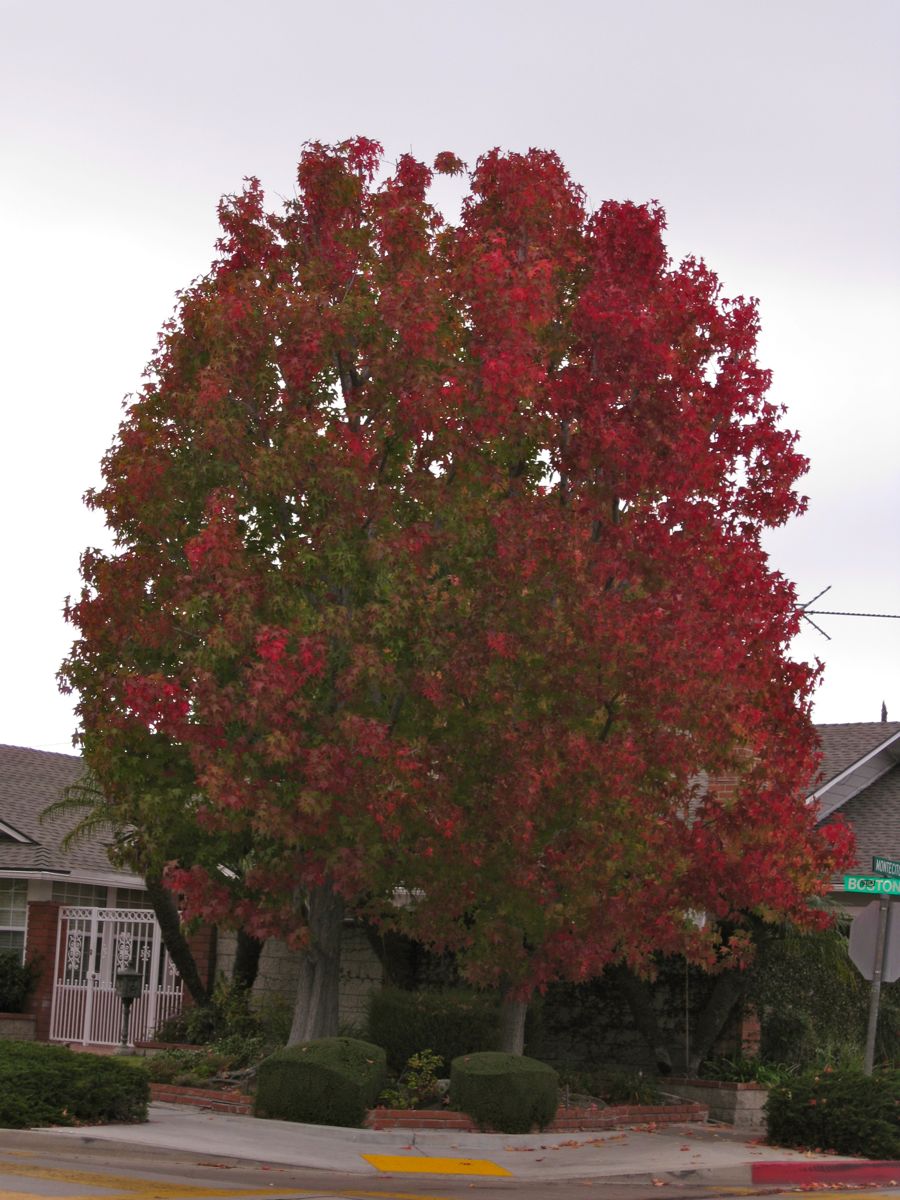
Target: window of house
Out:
[85,895]
[132,898]
[13,915]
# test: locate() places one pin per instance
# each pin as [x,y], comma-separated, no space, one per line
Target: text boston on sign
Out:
[871,885]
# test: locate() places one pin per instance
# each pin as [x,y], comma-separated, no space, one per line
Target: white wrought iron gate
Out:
[92,945]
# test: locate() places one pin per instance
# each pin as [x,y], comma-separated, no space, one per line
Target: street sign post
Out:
[871,885]
[875,951]
[885,866]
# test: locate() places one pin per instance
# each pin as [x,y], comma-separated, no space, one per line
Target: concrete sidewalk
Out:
[673,1153]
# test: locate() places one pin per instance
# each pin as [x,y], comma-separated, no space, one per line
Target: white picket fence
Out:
[92,945]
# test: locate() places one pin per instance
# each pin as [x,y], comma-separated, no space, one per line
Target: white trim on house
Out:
[15,835]
[98,878]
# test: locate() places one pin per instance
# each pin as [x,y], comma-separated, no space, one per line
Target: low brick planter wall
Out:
[418,1118]
[158,1047]
[231,1101]
[737,1104]
[575,1119]
[17,1027]
[568,1120]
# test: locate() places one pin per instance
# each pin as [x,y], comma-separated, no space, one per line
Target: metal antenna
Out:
[804,607]
[806,613]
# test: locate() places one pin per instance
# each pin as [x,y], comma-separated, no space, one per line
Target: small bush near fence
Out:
[449,1023]
[331,1081]
[17,981]
[844,1111]
[50,1085]
[505,1092]
[231,1013]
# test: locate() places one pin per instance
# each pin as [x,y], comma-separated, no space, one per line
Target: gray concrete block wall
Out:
[279,966]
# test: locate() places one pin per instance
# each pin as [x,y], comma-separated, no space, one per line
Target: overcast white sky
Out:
[768,130]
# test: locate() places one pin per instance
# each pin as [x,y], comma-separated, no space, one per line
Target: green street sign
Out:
[871,886]
[886,866]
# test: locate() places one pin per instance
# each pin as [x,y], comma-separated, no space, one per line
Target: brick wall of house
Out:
[40,947]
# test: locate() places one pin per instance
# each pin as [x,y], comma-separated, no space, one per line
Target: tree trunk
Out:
[316,1005]
[246,960]
[173,937]
[726,993]
[729,989]
[512,1025]
[639,998]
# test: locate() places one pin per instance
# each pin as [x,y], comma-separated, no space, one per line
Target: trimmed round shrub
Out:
[505,1092]
[844,1111]
[449,1023]
[330,1081]
[51,1085]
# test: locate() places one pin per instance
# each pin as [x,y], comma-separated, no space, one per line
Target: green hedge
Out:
[331,1081]
[844,1111]
[17,981]
[50,1085]
[449,1023]
[505,1092]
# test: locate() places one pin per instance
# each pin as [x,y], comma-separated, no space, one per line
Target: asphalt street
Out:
[39,1164]
[189,1153]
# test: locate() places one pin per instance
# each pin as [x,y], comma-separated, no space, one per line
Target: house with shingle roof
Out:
[859,780]
[47,894]
[33,864]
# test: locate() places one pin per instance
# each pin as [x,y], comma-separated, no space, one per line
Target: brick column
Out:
[750,1033]
[40,947]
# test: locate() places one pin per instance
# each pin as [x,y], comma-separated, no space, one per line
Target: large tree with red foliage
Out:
[438,567]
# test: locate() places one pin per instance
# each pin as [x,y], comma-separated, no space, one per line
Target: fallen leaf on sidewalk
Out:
[221,1166]
[660,1182]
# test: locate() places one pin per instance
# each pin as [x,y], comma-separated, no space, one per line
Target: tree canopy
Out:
[438,567]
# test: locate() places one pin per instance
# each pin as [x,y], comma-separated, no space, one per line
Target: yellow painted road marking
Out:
[128,1187]
[146,1189]
[36,1196]
[420,1165]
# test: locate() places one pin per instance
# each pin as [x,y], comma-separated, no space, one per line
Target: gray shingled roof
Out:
[843,745]
[874,815]
[30,780]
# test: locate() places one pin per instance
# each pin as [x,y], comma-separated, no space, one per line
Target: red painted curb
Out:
[860,1171]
